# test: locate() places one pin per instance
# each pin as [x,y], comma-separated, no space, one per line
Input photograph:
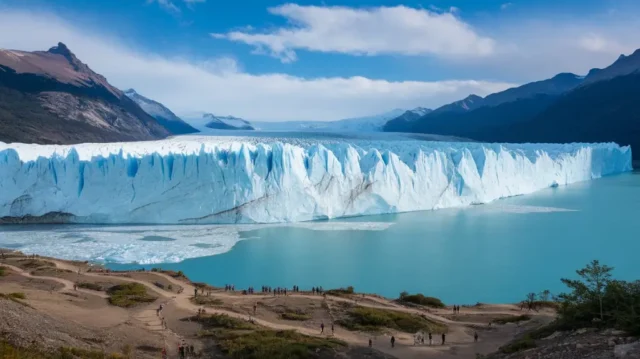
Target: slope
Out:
[52,97]
[162,114]
[554,86]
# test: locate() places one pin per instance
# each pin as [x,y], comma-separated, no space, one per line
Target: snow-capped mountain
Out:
[359,124]
[162,114]
[226,122]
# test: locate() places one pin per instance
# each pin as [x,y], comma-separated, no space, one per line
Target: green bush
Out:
[9,351]
[18,295]
[3,271]
[420,299]
[206,301]
[129,295]
[374,319]
[518,345]
[295,316]
[341,292]
[512,319]
[91,286]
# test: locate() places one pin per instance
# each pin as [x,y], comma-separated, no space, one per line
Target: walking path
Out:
[404,346]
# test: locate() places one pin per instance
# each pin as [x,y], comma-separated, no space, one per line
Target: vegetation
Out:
[18,295]
[206,301]
[91,286]
[10,351]
[512,319]
[595,299]
[3,271]
[420,299]
[295,315]
[517,345]
[170,273]
[128,295]
[341,292]
[240,339]
[374,320]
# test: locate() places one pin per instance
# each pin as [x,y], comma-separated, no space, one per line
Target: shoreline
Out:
[336,308]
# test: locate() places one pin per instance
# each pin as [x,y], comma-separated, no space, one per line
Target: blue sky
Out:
[324,60]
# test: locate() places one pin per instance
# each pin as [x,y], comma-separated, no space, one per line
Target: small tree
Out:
[592,285]
[403,294]
[531,300]
[545,295]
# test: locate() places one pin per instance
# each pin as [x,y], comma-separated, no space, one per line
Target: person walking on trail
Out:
[370,343]
[444,336]
[475,337]
[332,329]
[255,307]
[393,341]
[322,328]
[430,339]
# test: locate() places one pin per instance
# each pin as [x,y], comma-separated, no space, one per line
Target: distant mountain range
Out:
[600,107]
[52,97]
[226,122]
[163,115]
[359,124]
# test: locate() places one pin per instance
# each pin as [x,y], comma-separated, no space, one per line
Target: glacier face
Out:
[190,180]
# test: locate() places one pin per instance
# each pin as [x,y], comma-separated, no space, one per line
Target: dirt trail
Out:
[459,338]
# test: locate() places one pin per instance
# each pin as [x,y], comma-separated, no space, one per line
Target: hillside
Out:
[162,114]
[52,97]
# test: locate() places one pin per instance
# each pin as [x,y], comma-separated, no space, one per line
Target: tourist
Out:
[475,337]
[332,329]
[430,339]
[322,328]
[422,338]
[370,343]
[444,336]
[393,341]
[255,307]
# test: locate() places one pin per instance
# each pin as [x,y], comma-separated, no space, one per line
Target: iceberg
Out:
[204,180]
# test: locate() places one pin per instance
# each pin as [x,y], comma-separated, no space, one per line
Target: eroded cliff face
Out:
[52,97]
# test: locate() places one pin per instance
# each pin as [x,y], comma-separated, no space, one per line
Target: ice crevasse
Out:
[220,181]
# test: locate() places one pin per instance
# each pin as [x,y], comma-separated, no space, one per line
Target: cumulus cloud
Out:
[167,5]
[371,31]
[220,86]
[505,6]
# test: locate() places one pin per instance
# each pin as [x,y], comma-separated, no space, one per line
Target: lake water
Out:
[488,253]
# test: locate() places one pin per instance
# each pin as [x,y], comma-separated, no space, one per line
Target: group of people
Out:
[229,287]
[185,350]
[420,338]
[456,309]
[317,290]
[322,328]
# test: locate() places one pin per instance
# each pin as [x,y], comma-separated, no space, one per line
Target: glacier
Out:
[205,180]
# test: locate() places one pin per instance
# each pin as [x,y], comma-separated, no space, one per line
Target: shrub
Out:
[90,286]
[295,316]
[518,345]
[129,295]
[374,319]
[3,271]
[512,319]
[340,292]
[420,299]
[206,301]
[18,295]
[170,287]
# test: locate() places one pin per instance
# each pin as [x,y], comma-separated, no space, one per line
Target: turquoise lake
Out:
[490,253]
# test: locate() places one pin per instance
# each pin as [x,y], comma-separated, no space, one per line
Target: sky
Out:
[267,60]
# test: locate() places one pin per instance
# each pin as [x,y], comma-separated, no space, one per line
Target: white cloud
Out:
[372,31]
[168,5]
[505,6]
[598,43]
[219,86]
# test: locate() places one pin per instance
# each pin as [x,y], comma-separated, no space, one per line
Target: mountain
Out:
[163,115]
[554,86]
[226,122]
[604,107]
[359,124]
[52,97]
[624,65]
[408,117]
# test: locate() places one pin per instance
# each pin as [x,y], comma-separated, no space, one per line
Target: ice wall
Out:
[214,180]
